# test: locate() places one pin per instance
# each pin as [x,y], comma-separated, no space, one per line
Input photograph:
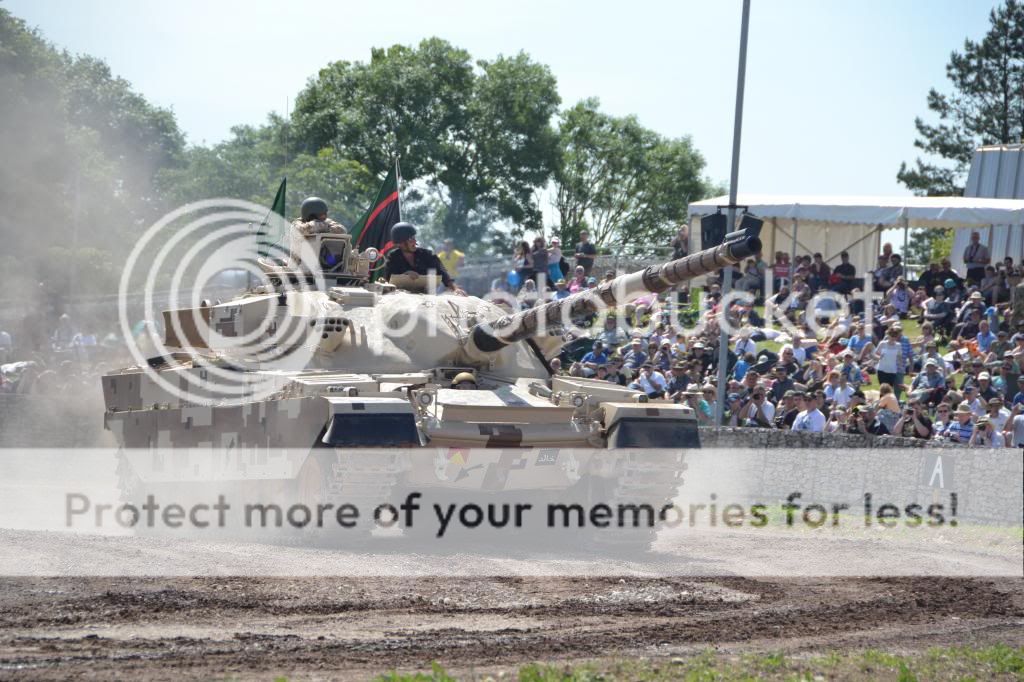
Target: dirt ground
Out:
[320,628]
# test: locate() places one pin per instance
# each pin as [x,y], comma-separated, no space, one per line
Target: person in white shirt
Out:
[744,345]
[1015,432]
[758,412]
[998,414]
[985,435]
[971,398]
[838,389]
[810,419]
[650,382]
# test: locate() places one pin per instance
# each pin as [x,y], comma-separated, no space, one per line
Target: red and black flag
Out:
[374,228]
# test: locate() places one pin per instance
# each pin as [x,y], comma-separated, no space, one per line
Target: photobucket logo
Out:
[214,352]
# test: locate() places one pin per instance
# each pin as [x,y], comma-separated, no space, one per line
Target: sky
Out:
[832,87]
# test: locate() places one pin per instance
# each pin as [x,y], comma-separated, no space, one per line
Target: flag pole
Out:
[398,186]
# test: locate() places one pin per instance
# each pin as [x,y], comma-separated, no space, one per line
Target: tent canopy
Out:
[885,211]
[832,224]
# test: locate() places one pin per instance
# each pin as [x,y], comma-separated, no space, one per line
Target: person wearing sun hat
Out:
[961,428]
[985,435]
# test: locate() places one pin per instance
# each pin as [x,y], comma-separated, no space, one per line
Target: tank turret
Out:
[490,337]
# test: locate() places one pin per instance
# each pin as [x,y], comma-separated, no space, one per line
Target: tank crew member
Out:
[314,221]
[412,260]
[464,381]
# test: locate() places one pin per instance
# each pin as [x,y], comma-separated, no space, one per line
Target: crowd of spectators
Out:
[54,358]
[939,357]
[546,264]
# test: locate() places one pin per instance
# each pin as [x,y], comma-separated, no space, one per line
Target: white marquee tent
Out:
[832,224]
[997,171]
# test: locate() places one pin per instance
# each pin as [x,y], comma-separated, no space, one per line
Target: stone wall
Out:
[989,483]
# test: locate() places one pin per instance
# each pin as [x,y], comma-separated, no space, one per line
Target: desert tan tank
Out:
[371,365]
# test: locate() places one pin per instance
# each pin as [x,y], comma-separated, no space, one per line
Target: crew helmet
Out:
[313,206]
[402,231]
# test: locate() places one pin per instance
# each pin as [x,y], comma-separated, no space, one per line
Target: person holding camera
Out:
[758,412]
[986,435]
[913,423]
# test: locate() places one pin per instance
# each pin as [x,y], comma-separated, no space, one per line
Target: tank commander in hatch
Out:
[314,221]
[413,261]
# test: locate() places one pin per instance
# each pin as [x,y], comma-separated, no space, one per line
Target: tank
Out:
[370,365]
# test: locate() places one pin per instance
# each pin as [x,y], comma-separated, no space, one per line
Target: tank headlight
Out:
[371,254]
[425,399]
[578,400]
[642,398]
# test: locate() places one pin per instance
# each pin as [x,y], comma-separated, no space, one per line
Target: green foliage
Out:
[437,674]
[624,183]
[986,105]
[78,182]
[929,245]
[477,134]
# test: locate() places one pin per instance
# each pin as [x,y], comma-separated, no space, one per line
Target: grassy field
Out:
[998,662]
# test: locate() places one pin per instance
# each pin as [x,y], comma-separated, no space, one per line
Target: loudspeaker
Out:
[712,230]
[751,225]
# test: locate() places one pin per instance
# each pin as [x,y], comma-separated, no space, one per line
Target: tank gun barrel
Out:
[492,337]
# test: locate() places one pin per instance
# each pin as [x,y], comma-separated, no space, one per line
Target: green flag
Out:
[271,234]
[374,228]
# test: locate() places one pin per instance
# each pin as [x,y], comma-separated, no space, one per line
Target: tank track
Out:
[643,478]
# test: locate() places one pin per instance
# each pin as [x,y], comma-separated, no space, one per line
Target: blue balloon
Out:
[514,280]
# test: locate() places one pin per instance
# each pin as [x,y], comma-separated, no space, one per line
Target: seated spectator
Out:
[930,278]
[810,419]
[997,413]
[635,357]
[850,370]
[1015,430]
[838,390]
[887,408]
[860,344]
[843,279]
[742,366]
[561,290]
[943,417]
[752,279]
[820,273]
[899,296]
[758,411]
[780,270]
[596,356]
[651,382]
[863,421]
[528,296]
[579,280]
[985,435]
[961,428]
[985,337]
[663,357]
[677,382]
[914,423]
[929,386]
[781,384]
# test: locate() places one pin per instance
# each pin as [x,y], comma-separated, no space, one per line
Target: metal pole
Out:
[906,239]
[723,335]
[792,254]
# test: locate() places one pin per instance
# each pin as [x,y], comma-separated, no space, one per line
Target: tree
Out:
[478,135]
[624,183]
[929,245]
[985,107]
[83,149]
